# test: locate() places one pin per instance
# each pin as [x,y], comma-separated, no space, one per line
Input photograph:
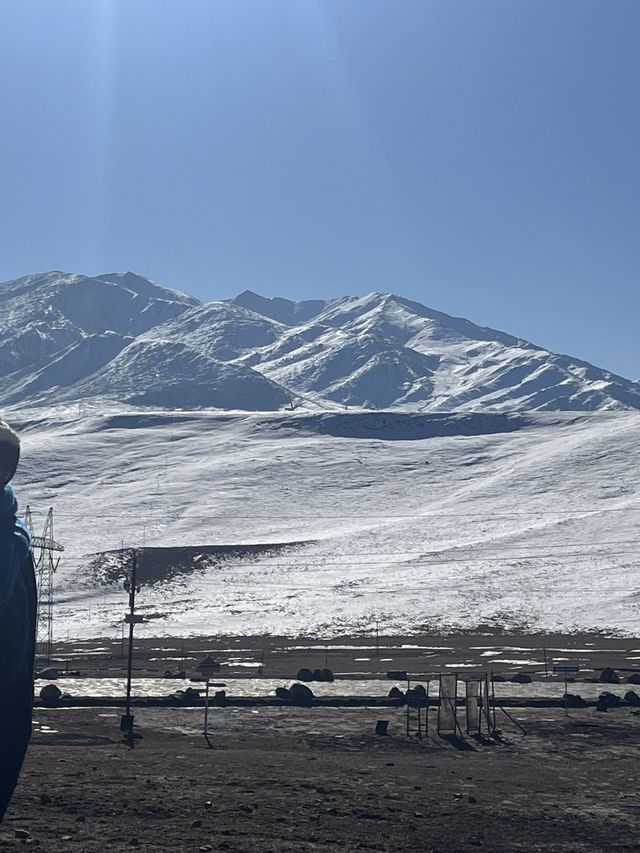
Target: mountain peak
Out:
[66,336]
[283,310]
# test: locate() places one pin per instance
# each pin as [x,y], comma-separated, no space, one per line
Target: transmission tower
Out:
[44,549]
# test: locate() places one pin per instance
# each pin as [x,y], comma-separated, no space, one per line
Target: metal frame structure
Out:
[44,550]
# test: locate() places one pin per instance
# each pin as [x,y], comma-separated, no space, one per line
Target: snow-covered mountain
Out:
[120,337]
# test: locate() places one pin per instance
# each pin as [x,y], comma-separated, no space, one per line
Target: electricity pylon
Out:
[44,549]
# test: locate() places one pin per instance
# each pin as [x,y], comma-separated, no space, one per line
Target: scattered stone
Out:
[416,699]
[608,700]
[284,694]
[609,676]
[206,848]
[188,696]
[195,824]
[472,799]
[23,834]
[381,727]
[50,695]
[134,843]
[49,674]
[45,799]
[574,700]
[301,694]
[304,674]
[521,678]
[632,698]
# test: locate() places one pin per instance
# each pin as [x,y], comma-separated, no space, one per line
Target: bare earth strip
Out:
[295,780]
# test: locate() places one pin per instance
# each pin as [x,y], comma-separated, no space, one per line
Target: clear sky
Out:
[480,156]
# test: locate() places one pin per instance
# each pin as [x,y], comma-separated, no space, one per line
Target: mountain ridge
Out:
[67,337]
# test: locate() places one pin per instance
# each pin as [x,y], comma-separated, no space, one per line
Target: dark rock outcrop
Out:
[609,676]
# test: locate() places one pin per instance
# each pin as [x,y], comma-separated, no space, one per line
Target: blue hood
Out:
[9,523]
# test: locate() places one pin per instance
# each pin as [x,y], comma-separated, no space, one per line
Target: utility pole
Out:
[131,585]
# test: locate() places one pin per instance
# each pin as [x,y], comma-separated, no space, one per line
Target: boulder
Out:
[521,678]
[318,675]
[301,694]
[50,696]
[283,693]
[396,693]
[610,699]
[49,674]
[220,698]
[328,674]
[632,698]
[304,674]
[189,696]
[575,701]
[419,690]
[634,678]
[416,699]
[497,677]
[609,676]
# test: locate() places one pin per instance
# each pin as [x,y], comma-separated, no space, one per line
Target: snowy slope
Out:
[420,520]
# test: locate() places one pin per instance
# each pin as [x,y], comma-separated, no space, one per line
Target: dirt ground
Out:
[296,780]
[354,656]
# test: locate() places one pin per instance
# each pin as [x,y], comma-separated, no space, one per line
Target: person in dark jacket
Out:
[18,603]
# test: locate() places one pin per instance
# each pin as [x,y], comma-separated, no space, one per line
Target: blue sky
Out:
[480,156]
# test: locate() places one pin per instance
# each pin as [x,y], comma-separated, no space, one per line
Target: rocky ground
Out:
[296,780]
